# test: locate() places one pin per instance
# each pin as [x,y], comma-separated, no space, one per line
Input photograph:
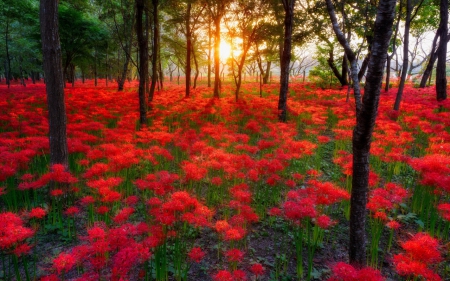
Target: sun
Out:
[225,50]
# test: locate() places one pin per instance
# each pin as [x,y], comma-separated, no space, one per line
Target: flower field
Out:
[217,190]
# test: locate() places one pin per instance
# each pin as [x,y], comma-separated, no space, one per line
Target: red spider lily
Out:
[324,221]
[257,269]
[101,210]
[223,275]
[21,249]
[234,255]
[87,200]
[196,254]
[193,172]
[64,262]
[444,210]
[345,272]
[57,192]
[387,198]
[72,211]
[37,213]
[52,277]
[123,215]
[393,225]
[422,250]
[131,200]
[12,231]
[222,226]
[239,275]
[234,234]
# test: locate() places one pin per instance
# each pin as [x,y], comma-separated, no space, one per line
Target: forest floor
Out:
[212,189]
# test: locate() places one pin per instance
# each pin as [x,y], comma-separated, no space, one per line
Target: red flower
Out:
[257,269]
[196,254]
[234,255]
[22,250]
[223,275]
[239,275]
[37,213]
[72,211]
[64,262]
[324,221]
[56,192]
[393,225]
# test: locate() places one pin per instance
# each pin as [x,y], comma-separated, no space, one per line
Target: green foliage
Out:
[81,35]
[321,74]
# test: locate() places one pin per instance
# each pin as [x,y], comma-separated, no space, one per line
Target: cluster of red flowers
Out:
[384,200]
[14,235]
[421,253]
[310,202]
[346,272]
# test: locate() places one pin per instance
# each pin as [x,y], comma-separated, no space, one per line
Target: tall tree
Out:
[217,9]
[121,21]
[409,16]
[143,58]
[244,21]
[288,6]
[394,48]
[441,74]
[51,51]
[362,134]
[349,54]
[155,49]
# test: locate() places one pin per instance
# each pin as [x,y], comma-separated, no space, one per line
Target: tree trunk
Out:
[288,6]
[267,73]
[143,60]
[344,70]
[333,67]
[8,58]
[349,53]
[362,134]
[394,48]
[364,65]
[405,56]
[51,51]
[209,54]
[441,77]
[72,74]
[188,49]
[217,57]
[95,68]
[388,73]
[196,68]
[429,68]
[154,50]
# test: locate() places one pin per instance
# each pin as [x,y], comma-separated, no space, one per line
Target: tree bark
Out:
[344,69]
[362,134]
[155,49]
[394,48]
[288,6]
[217,57]
[143,60]
[441,77]
[196,68]
[8,58]
[348,52]
[363,68]
[405,56]
[431,61]
[333,67]
[54,83]
[188,49]
[209,54]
